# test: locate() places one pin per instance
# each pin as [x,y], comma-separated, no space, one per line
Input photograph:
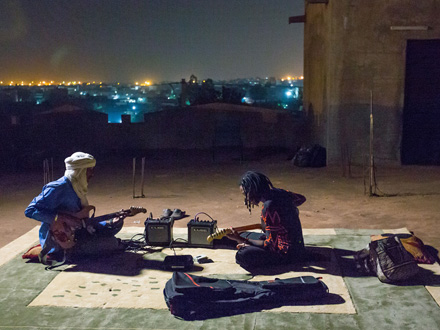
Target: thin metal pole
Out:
[371,145]
[142,178]
[134,176]
[44,171]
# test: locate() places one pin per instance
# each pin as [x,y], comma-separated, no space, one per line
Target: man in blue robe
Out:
[68,195]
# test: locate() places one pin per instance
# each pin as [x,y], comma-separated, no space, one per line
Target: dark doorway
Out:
[421,113]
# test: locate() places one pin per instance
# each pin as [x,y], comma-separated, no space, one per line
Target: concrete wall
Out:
[196,128]
[350,53]
[58,134]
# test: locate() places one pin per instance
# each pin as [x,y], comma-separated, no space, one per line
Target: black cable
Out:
[174,241]
[196,219]
[136,244]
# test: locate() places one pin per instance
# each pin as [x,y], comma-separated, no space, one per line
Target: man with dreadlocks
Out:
[282,241]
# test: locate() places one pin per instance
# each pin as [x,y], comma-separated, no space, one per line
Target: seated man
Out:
[282,241]
[67,198]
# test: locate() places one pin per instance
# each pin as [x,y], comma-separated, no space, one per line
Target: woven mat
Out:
[133,280]
[104,285]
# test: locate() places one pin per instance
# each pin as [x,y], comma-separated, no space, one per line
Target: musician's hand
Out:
[235,236]
[91,230]
[120,217]
[242,245]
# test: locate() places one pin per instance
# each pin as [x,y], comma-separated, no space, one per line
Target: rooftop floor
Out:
[193,183]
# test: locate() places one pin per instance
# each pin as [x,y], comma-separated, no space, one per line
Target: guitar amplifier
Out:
[199,230]
[158,232]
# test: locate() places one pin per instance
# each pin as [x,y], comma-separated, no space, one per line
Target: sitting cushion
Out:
[32,253]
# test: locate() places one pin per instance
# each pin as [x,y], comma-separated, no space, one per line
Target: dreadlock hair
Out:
[254,186]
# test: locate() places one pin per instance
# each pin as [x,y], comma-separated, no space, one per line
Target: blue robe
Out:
[56,196]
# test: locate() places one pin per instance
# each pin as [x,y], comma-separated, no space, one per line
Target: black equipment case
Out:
[192,297]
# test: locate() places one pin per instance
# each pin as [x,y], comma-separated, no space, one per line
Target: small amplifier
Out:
[198,232]
[178,263]
[158,232]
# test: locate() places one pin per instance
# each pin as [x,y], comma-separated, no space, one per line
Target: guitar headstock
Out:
[219,234]
[136,209]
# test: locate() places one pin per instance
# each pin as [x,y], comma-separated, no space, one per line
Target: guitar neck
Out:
[127,213]
[95,220]
[106,216]
[223,232]
[248,227]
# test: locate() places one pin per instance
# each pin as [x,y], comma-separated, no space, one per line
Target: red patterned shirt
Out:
[280,220]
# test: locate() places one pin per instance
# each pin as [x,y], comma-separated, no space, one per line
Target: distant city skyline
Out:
[138,41]
[142,83]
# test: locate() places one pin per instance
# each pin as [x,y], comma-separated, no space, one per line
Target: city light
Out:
[291,78]
[47,82]
[136,99]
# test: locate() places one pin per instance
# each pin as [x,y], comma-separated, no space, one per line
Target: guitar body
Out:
[63,233]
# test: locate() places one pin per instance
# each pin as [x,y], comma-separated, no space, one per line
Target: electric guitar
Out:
[223,232]
[64,234]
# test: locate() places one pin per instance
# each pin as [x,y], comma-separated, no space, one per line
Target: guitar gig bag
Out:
[193,297]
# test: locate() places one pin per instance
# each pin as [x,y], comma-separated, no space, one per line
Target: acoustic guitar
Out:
[223,232]
[63,234]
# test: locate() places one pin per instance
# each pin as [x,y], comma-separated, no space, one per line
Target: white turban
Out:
[79,160]
[76,172]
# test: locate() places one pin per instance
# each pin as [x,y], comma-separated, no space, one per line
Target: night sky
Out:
[157,40]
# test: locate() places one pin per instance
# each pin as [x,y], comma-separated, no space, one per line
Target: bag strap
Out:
[49,244]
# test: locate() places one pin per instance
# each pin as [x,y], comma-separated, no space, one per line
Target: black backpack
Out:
[388,260]
[193,297]
[315,156]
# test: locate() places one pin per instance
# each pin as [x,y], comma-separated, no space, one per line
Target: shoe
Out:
[166,213]
[177,214]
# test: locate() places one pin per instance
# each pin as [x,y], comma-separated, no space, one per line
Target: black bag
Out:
[387,259]
[302,158]
[391,261]
[315,156]
[196,297]
[318,156]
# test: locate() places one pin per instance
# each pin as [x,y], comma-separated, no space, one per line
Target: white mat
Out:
[80,289]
